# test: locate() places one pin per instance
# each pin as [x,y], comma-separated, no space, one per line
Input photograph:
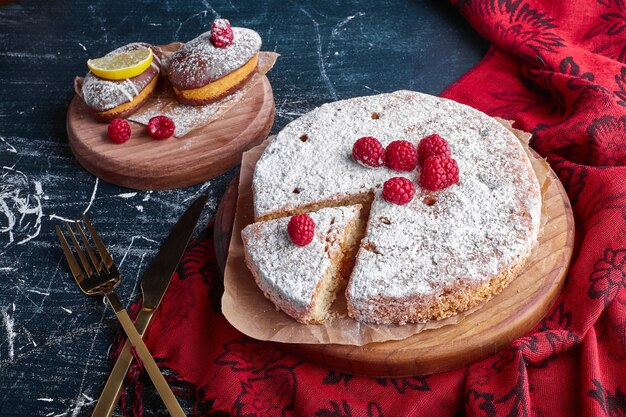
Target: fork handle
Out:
[146,358]
[113,388]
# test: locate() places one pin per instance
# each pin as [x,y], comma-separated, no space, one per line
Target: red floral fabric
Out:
[559,70]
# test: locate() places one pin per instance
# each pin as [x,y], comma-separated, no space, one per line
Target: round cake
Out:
[442,253]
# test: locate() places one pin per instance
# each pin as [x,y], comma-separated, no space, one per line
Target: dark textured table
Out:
[53,340]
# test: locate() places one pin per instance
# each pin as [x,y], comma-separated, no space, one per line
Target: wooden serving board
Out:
[144,163]
[504,318]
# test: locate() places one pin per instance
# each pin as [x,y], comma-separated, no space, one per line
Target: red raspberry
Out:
[301,229]
[161,127]
[439,172]
[221,33]
[369,152]
[432,145]
[119,130]
[398,190]
[401,156]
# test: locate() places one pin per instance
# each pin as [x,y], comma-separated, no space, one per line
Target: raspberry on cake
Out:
[303,281]
[369,152]
[112,99]
[401,156]
[398,190]
[211,67]
[442,252]
[221,33]
[301,229]
[430,146]
[438,172]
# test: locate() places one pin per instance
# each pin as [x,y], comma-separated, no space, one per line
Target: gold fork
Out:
[100,277]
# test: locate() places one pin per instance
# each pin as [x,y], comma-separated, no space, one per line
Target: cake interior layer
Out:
[215,89]
[336,276]
[364,199]
[140,98]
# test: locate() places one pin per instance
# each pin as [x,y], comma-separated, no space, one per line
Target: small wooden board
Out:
[144,163]
[504,318]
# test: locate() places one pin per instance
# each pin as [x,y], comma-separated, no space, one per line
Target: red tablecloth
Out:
[558,68]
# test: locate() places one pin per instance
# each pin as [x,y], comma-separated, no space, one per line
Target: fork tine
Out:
[102,250]
[92,255]
[79,251]
[77,273]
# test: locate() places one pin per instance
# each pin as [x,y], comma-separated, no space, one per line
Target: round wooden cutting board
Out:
[144,163]
[484,332]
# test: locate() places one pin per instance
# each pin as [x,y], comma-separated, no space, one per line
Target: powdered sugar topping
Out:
[292,272]
[101,94]
[470,231]
[199,62]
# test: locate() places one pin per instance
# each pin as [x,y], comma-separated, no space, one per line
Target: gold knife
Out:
[154,283]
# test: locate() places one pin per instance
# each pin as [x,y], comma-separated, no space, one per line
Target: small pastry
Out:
[118,98]
[215,64]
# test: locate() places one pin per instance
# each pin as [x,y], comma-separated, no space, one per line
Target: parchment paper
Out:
[248,310]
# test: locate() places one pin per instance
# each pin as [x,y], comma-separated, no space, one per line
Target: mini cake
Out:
[302,281]
[211,67]
[111,99]
[444,251]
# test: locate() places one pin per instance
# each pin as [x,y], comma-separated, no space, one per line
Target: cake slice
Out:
[303,281]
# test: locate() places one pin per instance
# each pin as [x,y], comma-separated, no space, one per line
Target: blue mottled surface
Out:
[53,340]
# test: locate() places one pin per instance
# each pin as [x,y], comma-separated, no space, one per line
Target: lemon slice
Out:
[123,65]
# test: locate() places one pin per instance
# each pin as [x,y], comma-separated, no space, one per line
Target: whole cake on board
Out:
[450,198]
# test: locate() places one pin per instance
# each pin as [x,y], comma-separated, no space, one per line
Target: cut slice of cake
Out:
[303,281]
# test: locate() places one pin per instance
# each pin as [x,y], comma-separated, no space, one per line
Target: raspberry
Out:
[161,127]
[301,229]
[119,130]
[398,190]
[369,152]
[221,33]
[439,172]
[401,156]
[432,145]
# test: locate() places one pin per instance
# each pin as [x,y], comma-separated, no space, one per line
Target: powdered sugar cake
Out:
[110,99]
[202,73]
[444,252]
[303,281]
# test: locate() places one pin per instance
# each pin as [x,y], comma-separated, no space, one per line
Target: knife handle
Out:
[144,354]
[113,388]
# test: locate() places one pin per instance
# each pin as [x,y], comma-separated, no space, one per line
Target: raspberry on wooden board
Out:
[161,127]
[119,130]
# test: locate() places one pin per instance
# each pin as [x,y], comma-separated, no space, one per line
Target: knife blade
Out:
[154,283]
